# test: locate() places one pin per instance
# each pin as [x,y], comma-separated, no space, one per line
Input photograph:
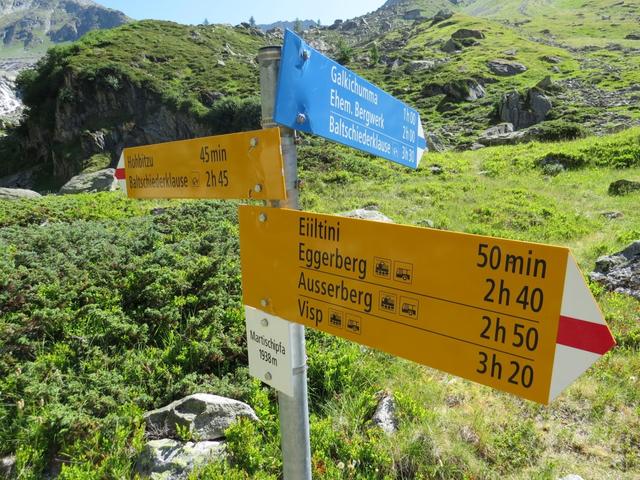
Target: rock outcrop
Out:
[506,68]
[385,415]
[188,433]
[623,187]
[17,194]
[524,111]
[467,89]
[25,22]
[204,416]
[364,214]
[620,272]
[493,137]
[170,459]
[101,181]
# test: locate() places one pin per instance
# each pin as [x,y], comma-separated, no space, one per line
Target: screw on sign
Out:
[523,320]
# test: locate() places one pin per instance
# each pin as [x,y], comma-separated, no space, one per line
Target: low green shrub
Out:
[559,130]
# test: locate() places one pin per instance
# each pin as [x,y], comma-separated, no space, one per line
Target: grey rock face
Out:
[506,68]
[623,187]
[17,193]
[205,416]
[385,414]
[170,459]
[620,272]
[102,181]
[367,215]
[524,112]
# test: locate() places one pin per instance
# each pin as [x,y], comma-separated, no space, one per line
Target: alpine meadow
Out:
[124,348]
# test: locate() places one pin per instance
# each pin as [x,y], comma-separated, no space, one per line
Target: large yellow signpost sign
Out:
[246,165]
[487,309]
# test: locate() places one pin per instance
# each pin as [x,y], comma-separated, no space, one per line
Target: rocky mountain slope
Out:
[547,70]
[28,28]
[145,82]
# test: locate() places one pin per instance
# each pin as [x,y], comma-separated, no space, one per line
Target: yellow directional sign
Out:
[240,165]
[487,309]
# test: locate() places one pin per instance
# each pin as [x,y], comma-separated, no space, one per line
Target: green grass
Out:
[111,307]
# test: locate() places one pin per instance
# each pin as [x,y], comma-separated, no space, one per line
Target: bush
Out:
[558,130]
[556,162]
[104,314]
[231,115]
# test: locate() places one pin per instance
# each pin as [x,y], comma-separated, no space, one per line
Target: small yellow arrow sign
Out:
[499,312]
[246,165]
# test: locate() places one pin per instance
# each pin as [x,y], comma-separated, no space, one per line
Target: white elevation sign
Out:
[269,347]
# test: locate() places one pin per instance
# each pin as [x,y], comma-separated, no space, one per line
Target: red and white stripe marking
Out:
[120,174]
[583,335]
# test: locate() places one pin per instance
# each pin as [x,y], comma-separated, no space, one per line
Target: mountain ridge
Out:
[29,27]
[466,75]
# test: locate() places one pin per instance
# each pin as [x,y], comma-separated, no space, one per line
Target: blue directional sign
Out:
[320,96]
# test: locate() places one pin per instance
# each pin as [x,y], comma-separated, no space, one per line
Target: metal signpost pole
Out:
[294,411]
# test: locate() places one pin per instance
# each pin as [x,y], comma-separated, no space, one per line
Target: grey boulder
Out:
[467,33]
[499,129]
[506,68]
[385,415]
[421,65]
[441,16]
[203,416]
[620,272]
[7,466]
[101,181]
[363,214]
[623,187]
[524,111]
[17,194]
[172,460]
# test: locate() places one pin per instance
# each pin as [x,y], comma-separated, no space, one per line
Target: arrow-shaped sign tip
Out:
[583,335]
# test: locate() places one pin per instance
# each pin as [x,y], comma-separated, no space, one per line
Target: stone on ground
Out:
[203,416]
[101,181]
[17,194]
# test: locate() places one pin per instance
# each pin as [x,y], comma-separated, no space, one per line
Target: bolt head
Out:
[268,376]
[258,188]
[301,118]
[253,142]
[264,302]
[306,54]
[262,217]
[264,322]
